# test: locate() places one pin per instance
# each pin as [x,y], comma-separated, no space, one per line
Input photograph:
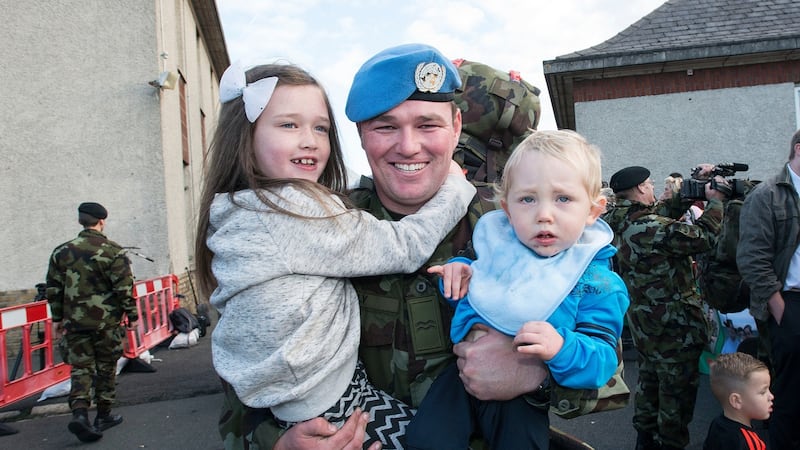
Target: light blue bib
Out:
[512,285]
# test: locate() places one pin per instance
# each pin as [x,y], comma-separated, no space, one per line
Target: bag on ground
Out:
[182,320]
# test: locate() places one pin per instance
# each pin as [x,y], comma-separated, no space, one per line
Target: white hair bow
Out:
[255,95]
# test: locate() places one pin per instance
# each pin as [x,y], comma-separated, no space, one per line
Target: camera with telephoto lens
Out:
[696,189]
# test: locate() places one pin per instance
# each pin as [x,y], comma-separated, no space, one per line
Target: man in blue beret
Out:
[402,103]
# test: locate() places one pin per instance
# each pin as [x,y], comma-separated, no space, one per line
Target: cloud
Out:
[331,39]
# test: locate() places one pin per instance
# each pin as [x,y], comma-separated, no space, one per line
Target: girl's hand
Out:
[455,279]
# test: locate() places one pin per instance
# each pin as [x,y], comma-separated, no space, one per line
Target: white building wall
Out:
[674,132]
[81,123]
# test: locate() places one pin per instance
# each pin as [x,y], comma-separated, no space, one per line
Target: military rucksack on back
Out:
[718,276]
[498,110]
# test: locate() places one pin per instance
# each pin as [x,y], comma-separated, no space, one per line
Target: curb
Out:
[53,409]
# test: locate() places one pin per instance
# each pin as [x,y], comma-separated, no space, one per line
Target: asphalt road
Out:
[176,407]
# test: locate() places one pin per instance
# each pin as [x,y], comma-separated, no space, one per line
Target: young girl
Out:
[276,244]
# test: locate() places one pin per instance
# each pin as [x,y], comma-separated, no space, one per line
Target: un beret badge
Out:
[429,77]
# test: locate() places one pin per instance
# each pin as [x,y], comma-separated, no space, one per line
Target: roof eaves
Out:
[782,48]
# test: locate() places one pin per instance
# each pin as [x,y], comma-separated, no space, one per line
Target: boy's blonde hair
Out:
[565,145]
[730,372]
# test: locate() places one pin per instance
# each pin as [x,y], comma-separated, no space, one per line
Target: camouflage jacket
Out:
[656,248]
[405,321]
[90,283]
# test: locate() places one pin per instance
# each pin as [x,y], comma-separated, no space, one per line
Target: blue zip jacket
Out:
[585,301]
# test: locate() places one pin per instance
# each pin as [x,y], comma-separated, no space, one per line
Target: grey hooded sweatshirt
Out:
[289,330]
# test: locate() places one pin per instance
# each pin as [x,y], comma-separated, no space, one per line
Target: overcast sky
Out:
[332,38]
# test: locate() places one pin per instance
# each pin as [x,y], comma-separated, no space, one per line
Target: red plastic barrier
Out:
[155,299]
[32,380]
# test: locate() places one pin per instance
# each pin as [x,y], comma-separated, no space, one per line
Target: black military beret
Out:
[93,209]
[627,178]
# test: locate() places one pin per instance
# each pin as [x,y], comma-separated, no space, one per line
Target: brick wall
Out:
[185,289]
[675,82]
[19,297]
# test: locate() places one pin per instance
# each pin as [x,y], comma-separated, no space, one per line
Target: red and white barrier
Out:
[155,299]
[31,380]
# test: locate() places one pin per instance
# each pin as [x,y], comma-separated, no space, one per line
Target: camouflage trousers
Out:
[669,340]
[93,356]
[665,399]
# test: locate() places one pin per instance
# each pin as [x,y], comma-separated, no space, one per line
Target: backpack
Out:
[498,109]
[717,274]
[183,320]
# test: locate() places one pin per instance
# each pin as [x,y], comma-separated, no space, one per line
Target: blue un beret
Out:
[627,178]
[95,210]
[397,74]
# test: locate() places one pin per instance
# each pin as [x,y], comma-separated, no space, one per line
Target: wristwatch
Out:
[539,398]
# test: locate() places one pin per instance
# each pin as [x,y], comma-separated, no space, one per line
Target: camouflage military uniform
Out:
[405,322]
[89,288]
[665,316]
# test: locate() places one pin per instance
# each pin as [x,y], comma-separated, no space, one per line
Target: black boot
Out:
[645,441]
[106,420]
[80,426]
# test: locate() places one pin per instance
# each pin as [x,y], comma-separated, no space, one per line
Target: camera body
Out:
[695,189]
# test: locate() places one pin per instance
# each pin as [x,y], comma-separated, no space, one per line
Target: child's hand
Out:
[540,339]
[455,278]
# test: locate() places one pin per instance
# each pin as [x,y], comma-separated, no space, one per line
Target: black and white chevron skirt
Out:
[388,417]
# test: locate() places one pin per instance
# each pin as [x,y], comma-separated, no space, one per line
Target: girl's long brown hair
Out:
[231,164]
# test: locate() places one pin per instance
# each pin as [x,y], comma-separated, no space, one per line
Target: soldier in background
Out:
[90,288]
[666,316]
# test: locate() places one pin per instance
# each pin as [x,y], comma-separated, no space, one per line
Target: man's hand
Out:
[712,193]
[455,278]
[775,305]
[58,330]
[492,369]
[318,433]
[703,171]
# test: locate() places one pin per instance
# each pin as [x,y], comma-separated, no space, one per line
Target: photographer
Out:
[666,316]
[672,185]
